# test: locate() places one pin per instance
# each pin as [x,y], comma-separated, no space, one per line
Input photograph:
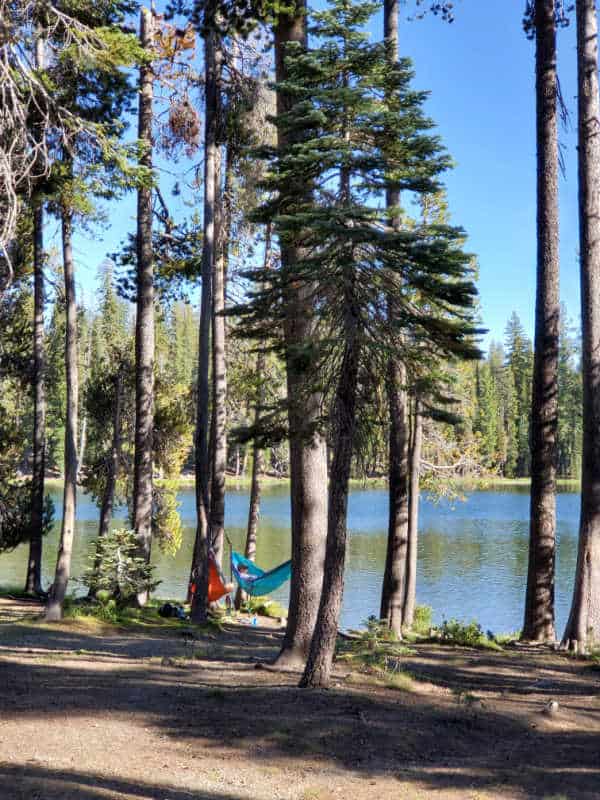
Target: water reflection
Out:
[472,555]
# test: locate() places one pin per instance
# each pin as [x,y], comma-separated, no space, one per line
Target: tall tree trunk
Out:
[257,456]
[54,609]
[83,434]
[318,666]
[108,498]
[257,462]
[583,627]
[144,329]
[410,601]
[394,579]
[33,580]
[199,571]
[539,602]
[308,455]
[219,372]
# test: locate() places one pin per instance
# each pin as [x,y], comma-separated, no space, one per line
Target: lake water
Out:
[472,554]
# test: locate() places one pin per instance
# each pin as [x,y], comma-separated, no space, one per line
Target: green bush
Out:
[465,634]
[116,573]
[423,621]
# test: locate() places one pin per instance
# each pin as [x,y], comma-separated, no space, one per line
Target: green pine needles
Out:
[354,130]
[116,570]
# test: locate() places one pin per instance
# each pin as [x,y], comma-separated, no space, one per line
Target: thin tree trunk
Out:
[144,331]
[257,459]
[394,579]
[583,627]
[33,580]
[58,592]
[410,601]
[106,509]
[83,434]
[254,506]
[199,571]
[539,602]
[219,372]
[308,456]
[319,664]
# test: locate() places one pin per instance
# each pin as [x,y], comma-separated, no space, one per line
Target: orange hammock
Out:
[217,585]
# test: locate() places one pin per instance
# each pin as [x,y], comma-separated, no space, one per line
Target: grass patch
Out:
[110,613]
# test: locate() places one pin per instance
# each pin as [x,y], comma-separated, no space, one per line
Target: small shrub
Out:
[374,648]
[423,621]
[116,572]
[465,634]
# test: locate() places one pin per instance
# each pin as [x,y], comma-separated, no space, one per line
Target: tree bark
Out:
[54,609]
[410,601]
[144,330]
[219,371]
[539,602]
[33,581]
[394,579]
[199,571]
[317,673]
[308,456]
[583,627]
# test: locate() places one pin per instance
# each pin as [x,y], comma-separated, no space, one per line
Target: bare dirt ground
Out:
[88,712]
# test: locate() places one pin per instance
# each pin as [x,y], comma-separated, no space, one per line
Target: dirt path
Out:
[87,713]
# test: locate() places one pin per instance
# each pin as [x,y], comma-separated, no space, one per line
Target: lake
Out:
[472,554]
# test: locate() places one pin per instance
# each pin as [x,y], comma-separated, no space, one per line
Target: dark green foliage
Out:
[354,119]
[15,522]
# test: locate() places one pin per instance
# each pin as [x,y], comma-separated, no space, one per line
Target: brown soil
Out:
[89,713]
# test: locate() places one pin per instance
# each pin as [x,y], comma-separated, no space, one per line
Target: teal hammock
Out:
[255,581]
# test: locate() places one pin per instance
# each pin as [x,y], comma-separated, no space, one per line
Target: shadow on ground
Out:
[435,738]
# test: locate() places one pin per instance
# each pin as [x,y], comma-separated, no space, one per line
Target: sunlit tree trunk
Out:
[54,609]
[583,627]
[317,673]
[219,371]
[199,572]
[410,600]
[257,456]
[144,331]
[308,457]
[539,603]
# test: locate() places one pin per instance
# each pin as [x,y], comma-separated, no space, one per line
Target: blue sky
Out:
[480,72]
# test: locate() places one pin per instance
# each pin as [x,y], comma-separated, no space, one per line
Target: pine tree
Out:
[336,146]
